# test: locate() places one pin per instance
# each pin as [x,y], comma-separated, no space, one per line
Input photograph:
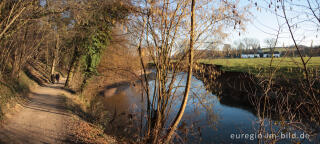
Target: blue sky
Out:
[263,24]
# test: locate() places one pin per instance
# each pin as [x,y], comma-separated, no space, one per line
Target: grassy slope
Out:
[13,92]
[289,67]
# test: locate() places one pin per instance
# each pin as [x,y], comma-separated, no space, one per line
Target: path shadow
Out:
[48,103]
[61,88]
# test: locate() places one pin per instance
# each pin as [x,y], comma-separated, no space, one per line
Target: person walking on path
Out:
[53,78]
[58,77]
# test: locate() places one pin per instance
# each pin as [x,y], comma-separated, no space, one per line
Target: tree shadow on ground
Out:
[38,79]
[62,88]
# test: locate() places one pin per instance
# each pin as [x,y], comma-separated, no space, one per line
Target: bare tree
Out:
[161,28]
[309,87]
[177,120]
[227,49]
[293,106]
[251,43]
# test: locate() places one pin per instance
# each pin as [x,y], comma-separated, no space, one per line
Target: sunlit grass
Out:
[291,67]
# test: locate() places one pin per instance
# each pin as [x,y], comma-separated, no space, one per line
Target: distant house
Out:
[250,55]
[270,54]
[260,54]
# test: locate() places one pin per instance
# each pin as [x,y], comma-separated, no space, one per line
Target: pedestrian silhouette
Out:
[52,78]
[58,77]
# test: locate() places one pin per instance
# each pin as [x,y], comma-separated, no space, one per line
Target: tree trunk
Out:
[175,123]
[20,64]
[14,63]
[53,65]
[47,56]
[70,72]
[72,67]
[55,55]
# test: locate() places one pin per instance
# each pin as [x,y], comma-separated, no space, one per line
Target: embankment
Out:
[13,93]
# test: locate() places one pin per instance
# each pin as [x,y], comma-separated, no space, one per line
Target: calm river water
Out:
[207,119]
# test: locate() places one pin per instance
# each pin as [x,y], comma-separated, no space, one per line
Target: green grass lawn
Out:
[282,50]
[290,67]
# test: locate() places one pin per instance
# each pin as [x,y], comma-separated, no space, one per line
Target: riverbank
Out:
[104,102]
[281,98]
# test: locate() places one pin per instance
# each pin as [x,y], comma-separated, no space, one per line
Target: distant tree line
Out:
[252,46]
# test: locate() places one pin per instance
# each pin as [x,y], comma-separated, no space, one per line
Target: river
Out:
[207,118]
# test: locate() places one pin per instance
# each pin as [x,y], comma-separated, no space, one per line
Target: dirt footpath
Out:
[43,120]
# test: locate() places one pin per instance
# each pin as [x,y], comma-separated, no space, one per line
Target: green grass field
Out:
[277,49]
[290,67]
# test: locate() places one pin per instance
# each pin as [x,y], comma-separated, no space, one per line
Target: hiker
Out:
[52,78]
[58,77]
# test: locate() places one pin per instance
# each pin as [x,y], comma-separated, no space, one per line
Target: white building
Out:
[275,54]
[250,55]
[269,54]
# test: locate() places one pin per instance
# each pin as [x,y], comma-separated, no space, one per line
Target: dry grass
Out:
[81,127]
[84,132]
